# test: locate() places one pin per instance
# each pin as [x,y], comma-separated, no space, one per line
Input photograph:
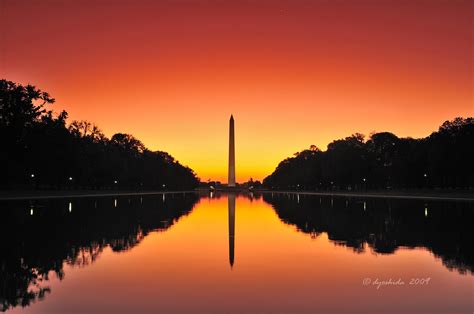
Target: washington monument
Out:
[231,179]
[231,196]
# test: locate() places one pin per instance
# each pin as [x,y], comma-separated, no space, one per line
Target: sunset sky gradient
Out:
[293,73]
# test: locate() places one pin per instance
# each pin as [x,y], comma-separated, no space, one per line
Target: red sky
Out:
[293,73]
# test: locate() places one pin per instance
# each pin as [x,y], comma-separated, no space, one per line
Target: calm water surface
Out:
[271,253]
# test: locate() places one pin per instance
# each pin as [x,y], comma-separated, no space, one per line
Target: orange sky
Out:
[293,73]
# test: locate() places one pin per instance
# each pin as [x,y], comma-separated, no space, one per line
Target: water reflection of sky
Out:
[290,253]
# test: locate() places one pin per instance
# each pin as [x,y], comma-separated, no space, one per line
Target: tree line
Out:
[41,150]
[443,159]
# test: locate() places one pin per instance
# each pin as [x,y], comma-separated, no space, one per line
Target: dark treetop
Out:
[441,160]
[39,150]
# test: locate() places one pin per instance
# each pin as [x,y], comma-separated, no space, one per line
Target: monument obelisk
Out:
[231,179]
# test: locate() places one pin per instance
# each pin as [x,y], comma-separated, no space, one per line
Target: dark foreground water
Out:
[274,253]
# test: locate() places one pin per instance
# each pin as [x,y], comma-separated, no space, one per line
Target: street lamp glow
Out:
[70,178]
[363,179]
[425,175]
[32,175]
[115,182]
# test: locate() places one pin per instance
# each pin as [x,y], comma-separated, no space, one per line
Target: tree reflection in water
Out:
[37,238]
[444,228]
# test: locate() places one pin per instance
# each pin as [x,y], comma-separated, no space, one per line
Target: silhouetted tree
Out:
[443,159]
[41,151]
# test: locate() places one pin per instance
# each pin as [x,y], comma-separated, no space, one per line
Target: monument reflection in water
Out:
[296,253]
[231,209]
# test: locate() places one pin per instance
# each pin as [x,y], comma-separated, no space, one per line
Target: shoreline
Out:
[467,196]
[37,195]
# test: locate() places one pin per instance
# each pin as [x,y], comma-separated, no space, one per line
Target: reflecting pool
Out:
[228,253]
